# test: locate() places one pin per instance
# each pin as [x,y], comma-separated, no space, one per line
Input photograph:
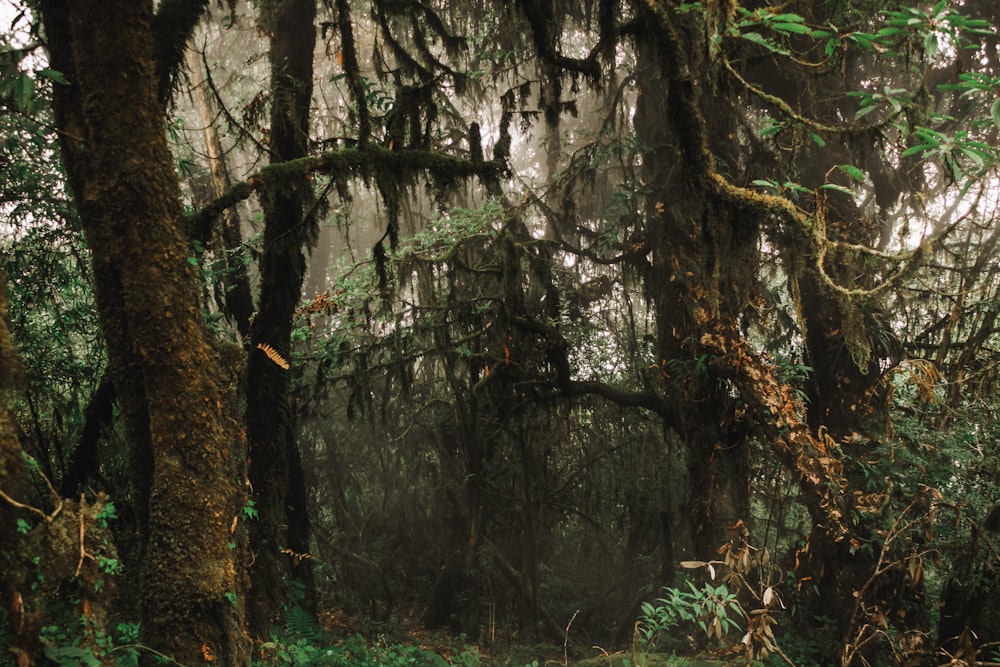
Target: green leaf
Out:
[24,90]
[864,111]
[838,188]
[889,32]
[686,7]
[796,28]
[786,18]
[53,75]
[853,172]
[768,44]
[795,187]
[979,157]
[920,148]
[773,127]
[995,112]
[931,48]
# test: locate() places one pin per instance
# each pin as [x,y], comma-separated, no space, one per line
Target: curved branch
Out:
[556,349]
[787,109]
[539,15]
[361,162]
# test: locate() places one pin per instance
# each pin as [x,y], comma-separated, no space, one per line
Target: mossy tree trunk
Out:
[289,228]
[15,484]
[185,446]
[703,262]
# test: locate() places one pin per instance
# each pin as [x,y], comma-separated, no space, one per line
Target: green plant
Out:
[710,608]
[80,643]
[353,652]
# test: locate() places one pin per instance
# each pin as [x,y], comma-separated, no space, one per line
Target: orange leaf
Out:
[273,355]
[206,652]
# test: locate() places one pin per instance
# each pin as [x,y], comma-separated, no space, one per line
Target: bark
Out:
[702,267]
[702,233]
[289,228]
[185,447]
[84,461]
[14,484]
[238,301]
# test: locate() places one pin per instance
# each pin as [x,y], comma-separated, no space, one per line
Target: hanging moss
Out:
[173,25]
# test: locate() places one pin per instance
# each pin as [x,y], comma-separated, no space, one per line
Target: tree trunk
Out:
[185,446]
[702,268]
[237,299]
[289,228]
[15,484]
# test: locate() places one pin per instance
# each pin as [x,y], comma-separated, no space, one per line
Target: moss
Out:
[11,371]
[173,25]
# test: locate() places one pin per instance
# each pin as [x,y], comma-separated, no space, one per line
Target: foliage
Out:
[710,608]
[83,645]
[354,651]
[525,395]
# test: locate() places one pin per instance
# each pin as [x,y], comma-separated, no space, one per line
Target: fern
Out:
[299,624]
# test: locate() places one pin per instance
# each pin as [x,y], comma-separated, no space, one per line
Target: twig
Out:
[48,517]
[566,639]
[83,551]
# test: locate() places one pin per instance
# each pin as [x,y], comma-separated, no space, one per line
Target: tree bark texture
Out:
[703,262]
[289,229]
[15,485]
[185,446]
[237,300]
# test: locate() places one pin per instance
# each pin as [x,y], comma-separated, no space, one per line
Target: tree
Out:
[289,230]
[619,284]
[186,455]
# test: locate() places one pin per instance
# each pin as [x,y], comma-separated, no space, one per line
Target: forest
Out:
[506,332]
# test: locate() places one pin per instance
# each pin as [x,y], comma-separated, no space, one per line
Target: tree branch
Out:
[360,161]
[173,25]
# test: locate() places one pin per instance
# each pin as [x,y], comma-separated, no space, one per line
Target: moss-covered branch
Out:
[540,15]
[360,162]
[787,109]
[173,25]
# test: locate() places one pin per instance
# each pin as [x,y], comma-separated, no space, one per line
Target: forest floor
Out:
[406,629]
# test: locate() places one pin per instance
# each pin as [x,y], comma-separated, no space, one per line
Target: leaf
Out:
[273,355]
[692,564]
[818,139]
[768,44]
[853,172]
[864,111]
[995,112]
[797,28]
[919,148]
[931,48]
[24,90]
[838,188]
[978,157]
[771,130]
[53,75]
